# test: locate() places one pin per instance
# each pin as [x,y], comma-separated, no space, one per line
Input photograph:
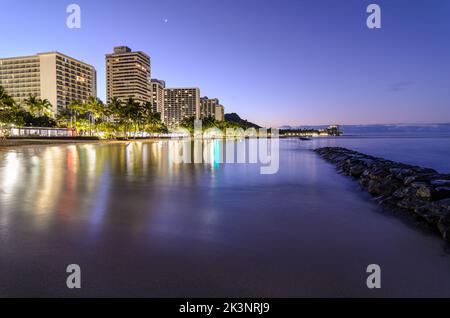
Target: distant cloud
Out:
[399,86]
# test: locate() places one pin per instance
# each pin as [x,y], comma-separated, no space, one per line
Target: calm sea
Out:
[430,150]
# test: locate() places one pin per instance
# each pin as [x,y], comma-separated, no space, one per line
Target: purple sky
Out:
[273,62]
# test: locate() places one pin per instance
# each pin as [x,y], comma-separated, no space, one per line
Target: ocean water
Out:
[139,224]
[427,150]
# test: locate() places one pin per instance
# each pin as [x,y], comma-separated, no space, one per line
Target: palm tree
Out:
[45,107]
[96,107]
[77,109]
[97,110]
[38,107]
[2,92]
[125,114]
[115,104]
[8,112]
[63,118]
[131,114]
[188,123]
[5,98]
[32,103]
[113,108]
[153,123]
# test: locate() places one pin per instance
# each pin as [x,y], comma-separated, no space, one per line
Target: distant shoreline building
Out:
[220,113]
[158,87]
[53,76]
[332,130]
[128,75]
[180,103]
[210,107]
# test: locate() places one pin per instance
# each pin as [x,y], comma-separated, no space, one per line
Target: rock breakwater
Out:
[419,191]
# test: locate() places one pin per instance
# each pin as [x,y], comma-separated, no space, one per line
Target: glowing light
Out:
[10,171]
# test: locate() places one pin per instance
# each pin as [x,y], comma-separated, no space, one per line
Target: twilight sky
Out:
[273,62]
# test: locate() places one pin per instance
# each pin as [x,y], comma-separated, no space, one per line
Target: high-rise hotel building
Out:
[52,76]
[220,113]
[210,107]
[158,87]
[128,75]
[180,103]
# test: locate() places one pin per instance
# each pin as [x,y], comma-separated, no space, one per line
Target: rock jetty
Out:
[419,191]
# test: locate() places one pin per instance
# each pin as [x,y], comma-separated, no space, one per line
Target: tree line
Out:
[208,123]
[89,118]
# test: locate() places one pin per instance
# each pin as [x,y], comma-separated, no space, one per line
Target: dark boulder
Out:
[441,193]
[357,171]
[423,177]
[404,192]
[421,192]
[410,204]
[428,212]
[430,193]
[443,204]
[378,174]
[375,188]
[424,191]
[440,183]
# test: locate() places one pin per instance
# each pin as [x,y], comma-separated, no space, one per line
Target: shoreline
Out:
[42,141]
[420,192]
[26,142]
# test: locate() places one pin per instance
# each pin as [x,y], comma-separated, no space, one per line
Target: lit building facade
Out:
[128,75]
[220,113]
[210,107]
[158,87]
[53,76]
[180,103]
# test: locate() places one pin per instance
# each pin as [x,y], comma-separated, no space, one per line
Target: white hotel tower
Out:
[52,76]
